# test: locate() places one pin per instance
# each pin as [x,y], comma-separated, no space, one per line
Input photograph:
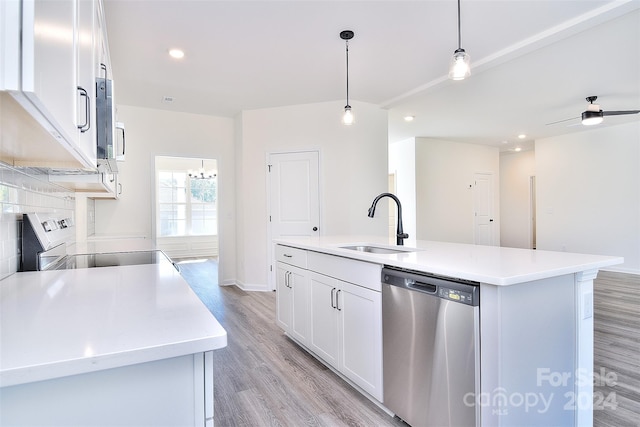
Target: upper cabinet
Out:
[49,69]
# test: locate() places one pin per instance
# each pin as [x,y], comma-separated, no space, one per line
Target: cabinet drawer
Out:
[293,256]
[360,273]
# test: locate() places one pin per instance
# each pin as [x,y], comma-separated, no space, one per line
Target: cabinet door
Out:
[300,318]
[324,339]
[49,61]
[283,297]
[86,59]
[361,331]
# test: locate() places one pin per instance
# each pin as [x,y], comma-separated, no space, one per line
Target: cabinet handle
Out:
[287,256]
[87,110]
[120,127]
[288,280]
[119,188]
[338,299]
[332,292]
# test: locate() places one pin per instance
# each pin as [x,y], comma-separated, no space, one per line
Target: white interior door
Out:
[294,197]
[483,209]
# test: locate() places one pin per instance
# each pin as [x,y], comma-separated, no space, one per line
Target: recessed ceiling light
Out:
[176,53]
[522,136]
[409,118]
[518,149]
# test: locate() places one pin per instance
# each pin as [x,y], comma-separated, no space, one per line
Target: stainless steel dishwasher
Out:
[431,343]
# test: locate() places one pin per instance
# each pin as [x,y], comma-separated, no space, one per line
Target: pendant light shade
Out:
[460,67]
[347,117]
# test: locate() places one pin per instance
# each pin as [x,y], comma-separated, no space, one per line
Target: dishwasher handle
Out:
[428,288]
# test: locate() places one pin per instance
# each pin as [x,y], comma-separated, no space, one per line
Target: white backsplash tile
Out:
[25,190]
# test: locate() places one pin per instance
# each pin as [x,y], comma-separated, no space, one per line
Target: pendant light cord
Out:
[347,52]
[459,37]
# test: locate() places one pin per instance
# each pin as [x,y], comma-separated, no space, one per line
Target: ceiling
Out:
[533,61]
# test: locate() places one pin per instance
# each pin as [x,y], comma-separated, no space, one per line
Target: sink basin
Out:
[376,249]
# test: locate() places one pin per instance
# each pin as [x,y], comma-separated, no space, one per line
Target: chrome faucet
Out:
[400,234]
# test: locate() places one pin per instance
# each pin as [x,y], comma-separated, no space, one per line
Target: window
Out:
[186,207]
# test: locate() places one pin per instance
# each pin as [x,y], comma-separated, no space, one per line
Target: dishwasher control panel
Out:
[447,288]
[456,295]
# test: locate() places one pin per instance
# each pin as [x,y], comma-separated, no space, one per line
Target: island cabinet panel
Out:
[168,392]
[530,374]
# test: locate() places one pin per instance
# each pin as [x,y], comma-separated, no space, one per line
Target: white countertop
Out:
[59,323]
[486,264]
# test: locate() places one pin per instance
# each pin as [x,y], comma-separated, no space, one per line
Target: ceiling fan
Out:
[593,115]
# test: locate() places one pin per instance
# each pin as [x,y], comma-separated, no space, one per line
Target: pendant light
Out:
[347,118]
[460,67]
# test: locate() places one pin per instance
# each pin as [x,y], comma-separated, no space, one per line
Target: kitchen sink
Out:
[377,249]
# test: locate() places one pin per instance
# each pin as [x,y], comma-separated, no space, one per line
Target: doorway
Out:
[532,212]
[186,207]
[483,200]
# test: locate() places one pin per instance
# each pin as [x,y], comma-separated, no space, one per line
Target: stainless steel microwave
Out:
[110,134]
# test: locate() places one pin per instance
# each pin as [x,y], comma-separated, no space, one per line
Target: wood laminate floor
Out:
[617,350]
[264,379]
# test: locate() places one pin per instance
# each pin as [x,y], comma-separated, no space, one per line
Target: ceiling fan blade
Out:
[560,121]
[620,113]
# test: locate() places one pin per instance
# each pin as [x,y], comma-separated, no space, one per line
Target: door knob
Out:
[315,228]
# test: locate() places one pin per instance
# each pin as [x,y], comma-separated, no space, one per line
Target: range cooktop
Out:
[109,260]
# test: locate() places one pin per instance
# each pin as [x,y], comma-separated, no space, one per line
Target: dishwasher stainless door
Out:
[431,351]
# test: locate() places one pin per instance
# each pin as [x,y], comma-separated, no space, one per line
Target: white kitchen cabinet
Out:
[346,330]
[48,87]
[49,54]
[292,292]
[333,307]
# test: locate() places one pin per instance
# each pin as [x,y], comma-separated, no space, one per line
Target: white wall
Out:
[444,173]
[402,162]
[156,132]
[353,170]
[589,193]
[515,198]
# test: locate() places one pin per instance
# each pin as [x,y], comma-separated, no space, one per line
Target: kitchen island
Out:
[535,335]
[126,345]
